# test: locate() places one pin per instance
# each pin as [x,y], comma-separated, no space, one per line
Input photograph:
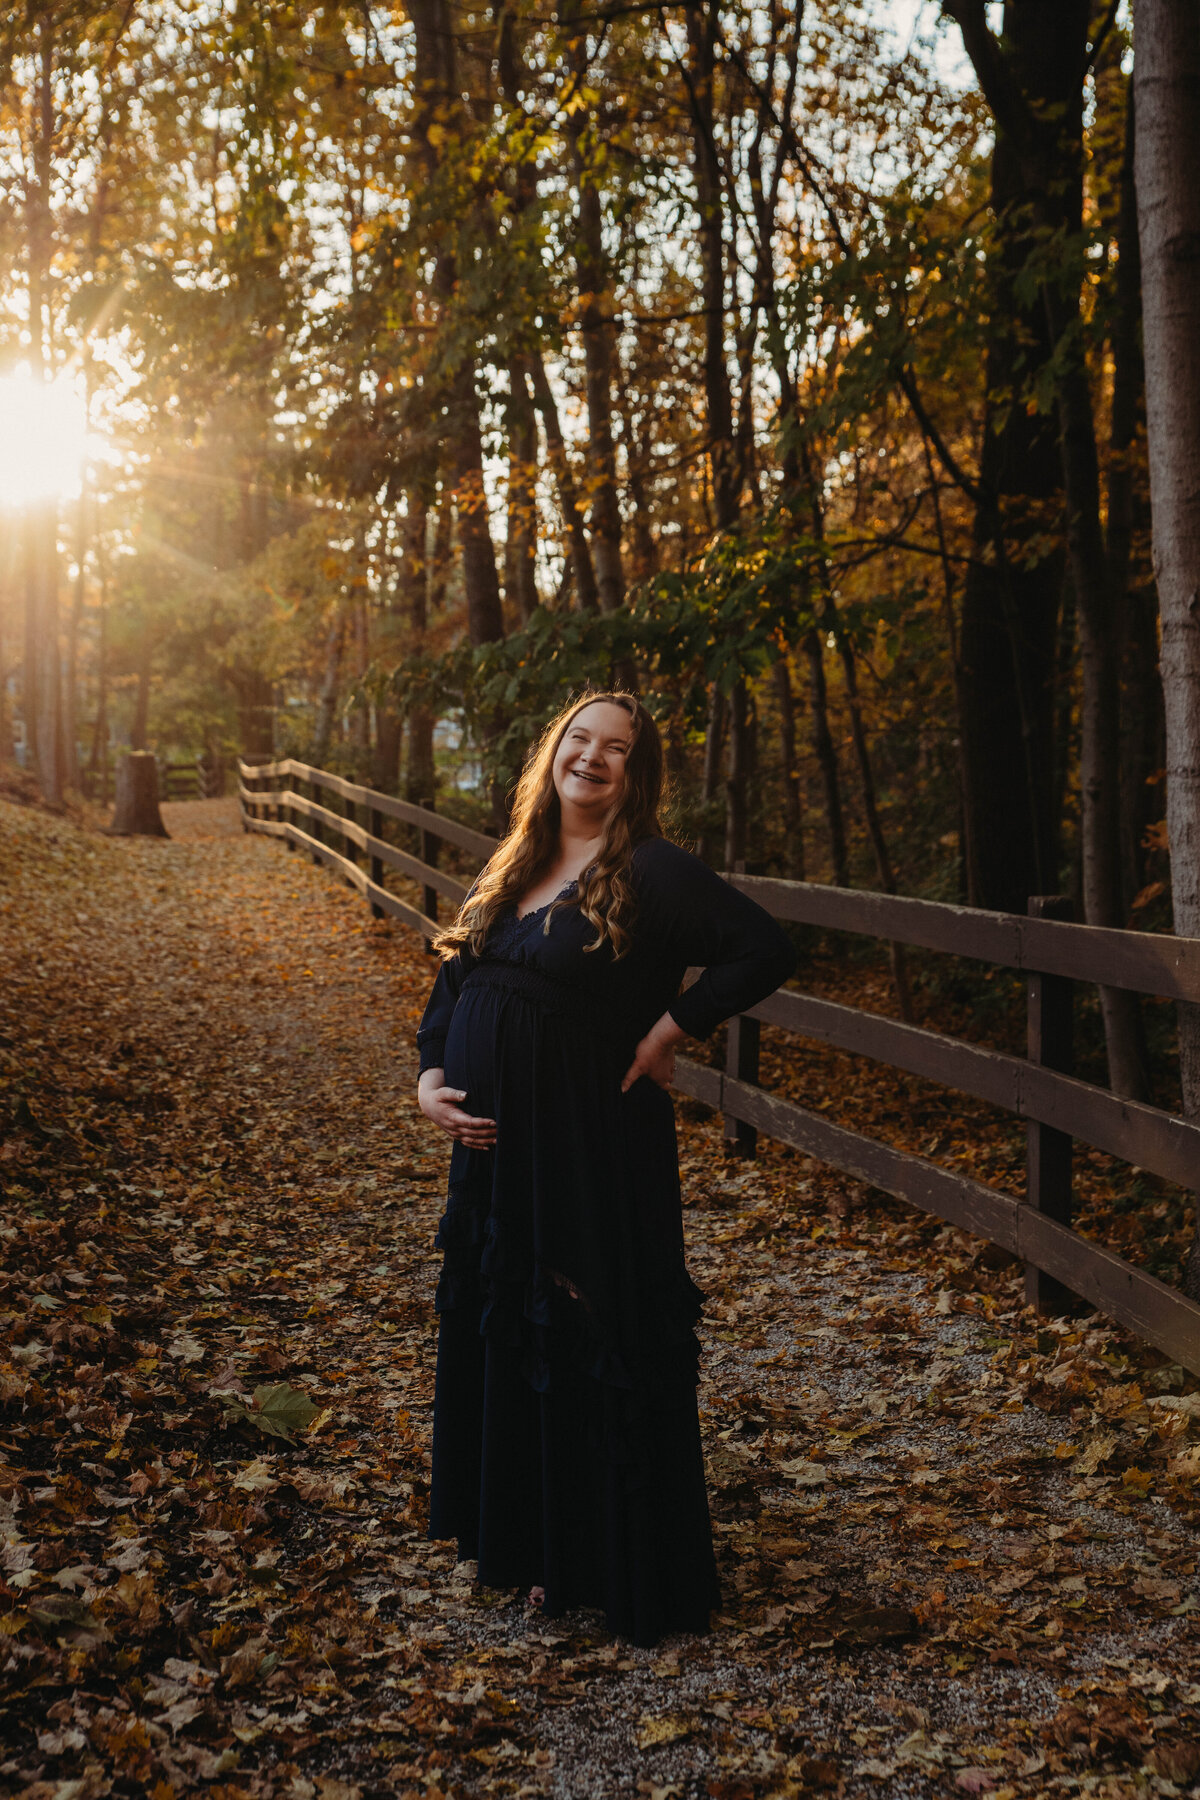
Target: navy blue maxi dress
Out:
[566,1444]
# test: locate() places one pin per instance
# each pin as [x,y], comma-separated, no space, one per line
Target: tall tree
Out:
[1038,108]
[596,322]
[1166,74]
[1032,75]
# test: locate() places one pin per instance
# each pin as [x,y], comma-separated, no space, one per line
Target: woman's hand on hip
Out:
[441,1104]
[655,1055]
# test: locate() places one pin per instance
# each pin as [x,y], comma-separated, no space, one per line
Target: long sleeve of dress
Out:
[699,918]
[435,1020]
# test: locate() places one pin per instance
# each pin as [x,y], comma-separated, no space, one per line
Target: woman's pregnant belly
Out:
[471,1051]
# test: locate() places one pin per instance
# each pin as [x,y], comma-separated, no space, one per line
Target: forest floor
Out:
[958,1544]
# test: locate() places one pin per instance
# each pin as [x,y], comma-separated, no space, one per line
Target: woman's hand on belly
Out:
[441,1104]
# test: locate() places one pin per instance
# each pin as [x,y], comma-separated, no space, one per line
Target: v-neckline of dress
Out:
[523,918]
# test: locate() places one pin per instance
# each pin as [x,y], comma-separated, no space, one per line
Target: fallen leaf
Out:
[666,1728]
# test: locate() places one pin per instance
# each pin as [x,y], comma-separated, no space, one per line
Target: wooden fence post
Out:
[429,854]
[285,811]
[741,1062]
[1050,1020]
[314,825]
[375,827]
[349,847]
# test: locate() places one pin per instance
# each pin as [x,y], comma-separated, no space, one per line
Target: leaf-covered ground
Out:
[958,1545]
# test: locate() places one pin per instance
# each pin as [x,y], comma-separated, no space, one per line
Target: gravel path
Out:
[957,1544]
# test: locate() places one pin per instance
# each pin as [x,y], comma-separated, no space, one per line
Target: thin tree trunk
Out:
[360,718]
[42,685]
[586,592]
[443,535]
[1098,773]
[714,738]
[736,782]
[98,759]
[1032,78]
[643,556]
[826,757]
[969,873]
[419,781]
[74,626]
[485,620]
[520,549]
[327,703]
[793,799]
[702,27]
[388,742]
[141,705]
[599,343]
[1166,76]
[1134,599]
[438,128]
[866,775]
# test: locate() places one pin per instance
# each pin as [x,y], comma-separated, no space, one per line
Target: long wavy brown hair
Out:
[605,894]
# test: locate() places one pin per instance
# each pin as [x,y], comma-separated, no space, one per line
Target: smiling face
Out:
[589,764]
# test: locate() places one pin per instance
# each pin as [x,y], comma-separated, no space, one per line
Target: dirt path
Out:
[958,1549]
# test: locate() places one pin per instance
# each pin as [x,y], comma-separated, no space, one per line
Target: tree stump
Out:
[137,813]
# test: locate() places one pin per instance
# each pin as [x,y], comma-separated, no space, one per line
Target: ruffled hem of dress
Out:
[534,1310]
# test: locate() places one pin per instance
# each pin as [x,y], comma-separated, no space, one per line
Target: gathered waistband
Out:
[548,995]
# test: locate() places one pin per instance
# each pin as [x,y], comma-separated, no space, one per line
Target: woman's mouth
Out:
[583,775]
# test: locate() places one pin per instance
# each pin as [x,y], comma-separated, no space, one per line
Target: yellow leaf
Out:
[668,1729]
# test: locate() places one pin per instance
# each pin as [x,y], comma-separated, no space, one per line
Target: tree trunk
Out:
[599,344]
[714,738]
[485,619]
[702,28]
[831,621]
[360,717]
[438,129]
[968,875]
[793,798]
[520,549]
[385,754]
[256,712]
[1166,75]
[1135,602]
[419,779]
[578,549]
[136,813]
[141,705]
[74,626]
[736,783]
[327,703]
[98,759]
[43,675]
[826,758]
[1098,774]
[1032,77]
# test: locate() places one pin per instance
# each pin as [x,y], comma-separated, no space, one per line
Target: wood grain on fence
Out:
[1058,1108]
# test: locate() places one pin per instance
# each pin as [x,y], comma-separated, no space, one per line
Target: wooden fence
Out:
[1048,949]
[201,779]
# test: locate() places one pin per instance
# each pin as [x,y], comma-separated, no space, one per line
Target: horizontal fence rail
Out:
[1058,1108]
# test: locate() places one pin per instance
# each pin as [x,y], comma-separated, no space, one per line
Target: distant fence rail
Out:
[1052,952]
[201,779]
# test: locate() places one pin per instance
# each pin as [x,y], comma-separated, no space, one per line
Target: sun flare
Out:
[43,438]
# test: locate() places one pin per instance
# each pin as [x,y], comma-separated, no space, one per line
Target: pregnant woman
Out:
[566,1445]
